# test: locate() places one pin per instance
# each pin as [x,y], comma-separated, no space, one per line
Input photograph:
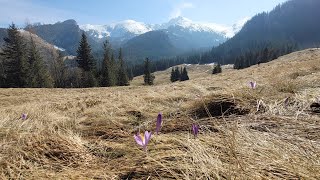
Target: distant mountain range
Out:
[183,33]
[138,40]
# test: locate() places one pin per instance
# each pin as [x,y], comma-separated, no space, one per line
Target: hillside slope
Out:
[291,23]
[152,44]
[47,50]
[88,133]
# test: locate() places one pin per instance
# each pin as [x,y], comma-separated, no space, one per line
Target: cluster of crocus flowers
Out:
[253,85]
[143,140]
[195,130]
[24,116]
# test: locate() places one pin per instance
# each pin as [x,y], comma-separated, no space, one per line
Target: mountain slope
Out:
[65,34]
[62,34]
[152,44]
[293,22]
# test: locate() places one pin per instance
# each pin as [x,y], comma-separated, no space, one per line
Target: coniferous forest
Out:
[22,66]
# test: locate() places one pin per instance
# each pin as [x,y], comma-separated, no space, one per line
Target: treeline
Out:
[263,55]
[22,66]
[163,64]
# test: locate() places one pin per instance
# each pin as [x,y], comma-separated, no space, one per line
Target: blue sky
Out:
[224,12]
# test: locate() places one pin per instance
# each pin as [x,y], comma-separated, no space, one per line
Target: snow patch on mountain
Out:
[58,48]
[196,26]
[98,31]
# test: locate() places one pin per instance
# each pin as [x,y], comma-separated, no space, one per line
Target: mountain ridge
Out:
[103,31]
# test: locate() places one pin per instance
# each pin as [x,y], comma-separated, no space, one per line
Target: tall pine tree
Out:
[122,72]
[15,64]
[148,77]
[106,71]
[86,63]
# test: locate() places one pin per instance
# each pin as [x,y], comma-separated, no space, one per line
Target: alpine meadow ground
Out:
[269,132]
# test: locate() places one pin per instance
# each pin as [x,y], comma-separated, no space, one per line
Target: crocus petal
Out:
[195,129]
[24,116]
[139,140]
[147,137]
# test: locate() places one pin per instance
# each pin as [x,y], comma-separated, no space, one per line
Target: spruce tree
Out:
[122,73]
[148,77]
[86,63]
[177,74]
[14,59]
[84,58]
[184,75]
[106,71]
[38,75]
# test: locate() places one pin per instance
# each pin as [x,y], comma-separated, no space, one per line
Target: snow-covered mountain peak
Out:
[132,27]
[197,26]
[179,21]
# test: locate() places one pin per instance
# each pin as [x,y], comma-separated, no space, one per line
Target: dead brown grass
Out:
[245,133]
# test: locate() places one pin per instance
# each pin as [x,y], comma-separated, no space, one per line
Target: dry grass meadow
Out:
[245,133]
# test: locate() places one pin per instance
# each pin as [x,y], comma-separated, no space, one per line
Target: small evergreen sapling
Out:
[217,69]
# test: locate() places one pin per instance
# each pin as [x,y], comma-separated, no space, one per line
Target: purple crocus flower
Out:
[159,123]
[24,116]
[143,140]
[195,130]
[253,85]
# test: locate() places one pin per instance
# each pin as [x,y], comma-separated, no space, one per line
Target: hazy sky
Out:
[224,12]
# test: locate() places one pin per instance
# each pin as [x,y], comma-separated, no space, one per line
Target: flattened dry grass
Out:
[266,133]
